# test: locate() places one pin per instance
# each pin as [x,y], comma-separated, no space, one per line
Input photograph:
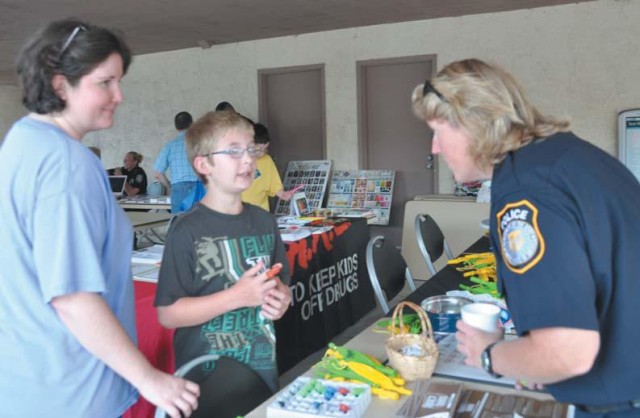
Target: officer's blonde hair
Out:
[488,104]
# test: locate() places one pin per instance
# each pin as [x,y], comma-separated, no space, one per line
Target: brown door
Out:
[391,137]
[291,106]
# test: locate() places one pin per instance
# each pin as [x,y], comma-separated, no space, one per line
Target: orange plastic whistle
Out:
[273,271]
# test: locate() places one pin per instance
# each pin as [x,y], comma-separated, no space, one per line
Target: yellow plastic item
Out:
[375,376]
[398,381]
[385,394]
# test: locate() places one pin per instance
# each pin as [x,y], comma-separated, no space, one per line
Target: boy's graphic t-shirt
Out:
[207,252]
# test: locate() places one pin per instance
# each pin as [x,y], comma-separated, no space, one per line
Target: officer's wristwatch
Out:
[485,360]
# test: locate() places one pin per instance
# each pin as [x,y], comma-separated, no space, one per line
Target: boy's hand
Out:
[277,302]
[252,289]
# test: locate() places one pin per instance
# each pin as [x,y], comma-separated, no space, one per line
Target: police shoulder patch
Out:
[522,244]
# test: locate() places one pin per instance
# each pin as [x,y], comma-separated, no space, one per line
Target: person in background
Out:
[174,157]
[266,182]
[67,317]
[136,177]
[566,235]
[224,106]
[96,151]
[213,279]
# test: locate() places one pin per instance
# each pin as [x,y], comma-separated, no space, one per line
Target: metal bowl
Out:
[444,311]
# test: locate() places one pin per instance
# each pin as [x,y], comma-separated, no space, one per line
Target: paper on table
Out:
[149,255]
[145,272]
[320,229]
[355,213]
[294,233]
[292,220]
[451,361]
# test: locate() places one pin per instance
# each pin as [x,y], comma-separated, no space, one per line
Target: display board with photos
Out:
[363,189]
[308,176]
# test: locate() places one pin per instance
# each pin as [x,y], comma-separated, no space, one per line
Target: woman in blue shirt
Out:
[67,321]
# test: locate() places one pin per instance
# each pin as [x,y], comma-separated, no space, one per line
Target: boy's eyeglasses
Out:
[428,88]
[70,39]
[236,152]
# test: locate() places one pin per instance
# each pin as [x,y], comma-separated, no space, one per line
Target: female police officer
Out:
[565,226]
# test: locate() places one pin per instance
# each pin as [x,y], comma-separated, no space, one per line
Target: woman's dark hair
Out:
[261,134]
[69,47]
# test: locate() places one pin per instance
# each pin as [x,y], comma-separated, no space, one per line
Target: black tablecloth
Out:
[330,290]
[448,278]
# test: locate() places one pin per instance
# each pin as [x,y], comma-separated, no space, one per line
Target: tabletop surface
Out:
[145,202]
[373,343]
[145,218]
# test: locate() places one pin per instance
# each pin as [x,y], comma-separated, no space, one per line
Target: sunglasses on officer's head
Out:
[428,88]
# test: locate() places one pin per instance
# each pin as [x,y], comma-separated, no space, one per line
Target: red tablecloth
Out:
[155,342]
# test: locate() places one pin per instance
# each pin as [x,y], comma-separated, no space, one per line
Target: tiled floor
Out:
[366,322]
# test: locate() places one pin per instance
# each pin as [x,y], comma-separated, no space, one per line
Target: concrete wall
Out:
[578,60]
[10,108]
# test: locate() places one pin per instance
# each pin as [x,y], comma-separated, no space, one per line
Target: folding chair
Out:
[431,240]
[387,270]
[232,389]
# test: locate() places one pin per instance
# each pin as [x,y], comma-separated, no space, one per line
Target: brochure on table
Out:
[294,233]
[145,263]
[293,228]
[363,190]
[148,255]
[450,399]
[146,200]
[310,177]
[145,272]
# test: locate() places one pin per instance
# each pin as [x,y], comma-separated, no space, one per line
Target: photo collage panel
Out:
[363,189]
[310,177]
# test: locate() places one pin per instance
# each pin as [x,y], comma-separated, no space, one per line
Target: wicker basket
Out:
[412,367]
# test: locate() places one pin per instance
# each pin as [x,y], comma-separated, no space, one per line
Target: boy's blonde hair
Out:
[489,105]
[203,135]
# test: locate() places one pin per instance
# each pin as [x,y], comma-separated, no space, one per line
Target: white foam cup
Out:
[483,316]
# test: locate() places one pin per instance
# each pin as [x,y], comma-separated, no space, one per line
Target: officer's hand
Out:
[472,342]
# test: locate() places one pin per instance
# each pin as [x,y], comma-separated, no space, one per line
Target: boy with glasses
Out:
[213,286]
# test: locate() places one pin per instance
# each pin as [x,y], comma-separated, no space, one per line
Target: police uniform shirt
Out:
[565,224]
[137,178]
